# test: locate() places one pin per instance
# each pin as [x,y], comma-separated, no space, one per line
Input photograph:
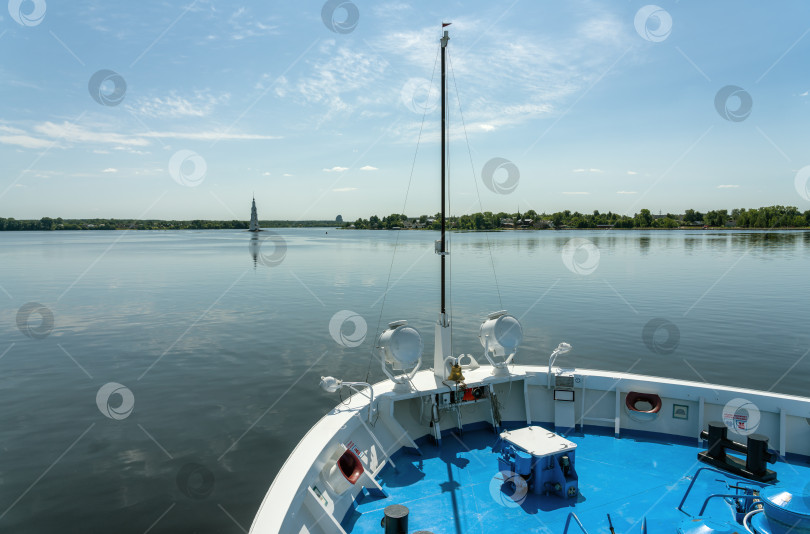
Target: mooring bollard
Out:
[395,520]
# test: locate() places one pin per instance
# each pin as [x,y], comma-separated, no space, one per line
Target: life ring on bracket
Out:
[642,407]
[350,466]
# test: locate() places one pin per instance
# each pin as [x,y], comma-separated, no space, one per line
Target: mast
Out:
[442,347]
[443,250]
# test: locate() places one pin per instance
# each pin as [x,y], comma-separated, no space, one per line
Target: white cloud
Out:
[48,174]
[75,133]
[576,193]
[126,149]
[336,169]
[279,84]
[369,168]
[626,192]
[390,9]
[265,174]
[510,79]
[70,133]
[544,73]
[343,71]
[288,174]
[344,189]
[11,130]
[245,25]
[212,135]
[25,141]
[150,172]
[588,170]
[604,29]
[110,170]
[174,106]
[804,93]
[632,172]
[730,186]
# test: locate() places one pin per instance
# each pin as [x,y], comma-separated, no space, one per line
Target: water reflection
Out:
[644,244]
[769,240]
[718,242]
[254,246]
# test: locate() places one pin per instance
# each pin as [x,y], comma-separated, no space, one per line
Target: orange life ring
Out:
[634,397]
[350,466]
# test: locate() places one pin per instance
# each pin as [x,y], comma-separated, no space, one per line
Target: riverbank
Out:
[333,226]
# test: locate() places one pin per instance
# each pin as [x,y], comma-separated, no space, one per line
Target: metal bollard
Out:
[717,437]
[395,520]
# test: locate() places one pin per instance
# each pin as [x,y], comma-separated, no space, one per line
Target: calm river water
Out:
[158,380]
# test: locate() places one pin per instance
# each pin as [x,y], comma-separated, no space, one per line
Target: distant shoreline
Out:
[766,217]
[763,218]
[333,226]
[48,224]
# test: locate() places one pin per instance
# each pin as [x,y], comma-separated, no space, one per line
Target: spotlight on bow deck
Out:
[401,346]
[330,384]
[500,335]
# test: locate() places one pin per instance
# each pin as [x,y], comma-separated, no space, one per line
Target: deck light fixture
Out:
[561,349]
[500,335]
[401,347]
[330,384]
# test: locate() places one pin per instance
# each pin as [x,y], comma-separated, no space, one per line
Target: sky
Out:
[185,110]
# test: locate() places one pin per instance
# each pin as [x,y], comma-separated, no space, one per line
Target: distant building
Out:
[254,217]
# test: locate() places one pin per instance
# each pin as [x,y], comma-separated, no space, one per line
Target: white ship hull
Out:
[301,499]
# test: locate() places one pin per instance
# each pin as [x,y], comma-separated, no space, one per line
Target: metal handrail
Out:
[579,523]
[725,474]
[712,496]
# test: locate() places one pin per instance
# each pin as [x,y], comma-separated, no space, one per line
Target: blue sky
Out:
[599,105]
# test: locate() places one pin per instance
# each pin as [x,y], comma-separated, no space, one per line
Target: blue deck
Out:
[455,488]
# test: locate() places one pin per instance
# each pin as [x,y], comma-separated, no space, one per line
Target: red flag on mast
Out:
[445,24]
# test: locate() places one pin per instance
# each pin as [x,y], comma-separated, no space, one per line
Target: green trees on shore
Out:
[765,217]
[47,223]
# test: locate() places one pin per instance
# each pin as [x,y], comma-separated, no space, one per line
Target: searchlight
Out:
[500,335]
[330,384]
[401,347]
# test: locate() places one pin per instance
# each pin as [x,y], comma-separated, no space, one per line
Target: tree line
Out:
[48,223]
[765,217]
